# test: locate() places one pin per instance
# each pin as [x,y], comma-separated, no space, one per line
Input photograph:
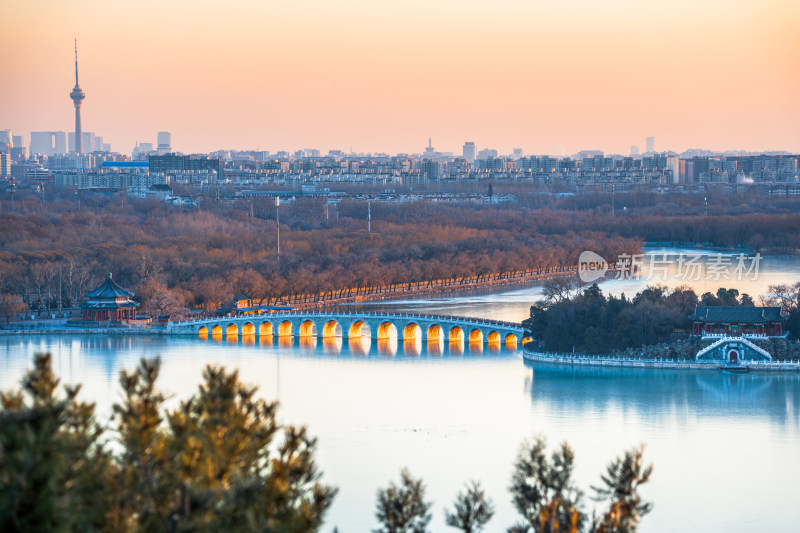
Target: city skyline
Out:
[557,80]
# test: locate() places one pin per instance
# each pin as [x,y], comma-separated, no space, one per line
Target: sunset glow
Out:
[549,77]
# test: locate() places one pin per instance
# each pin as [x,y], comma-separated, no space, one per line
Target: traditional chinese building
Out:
[109,302]
[738,321]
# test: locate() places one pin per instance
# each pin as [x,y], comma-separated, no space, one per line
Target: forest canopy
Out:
[587,321]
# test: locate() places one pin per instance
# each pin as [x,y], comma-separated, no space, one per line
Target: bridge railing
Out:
[567,356]
[451,318]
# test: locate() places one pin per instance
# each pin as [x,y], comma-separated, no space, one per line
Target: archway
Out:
[493,338]
[202,332]
[265,329]
[308,329]
[511,341]
[248,329]
[476,336]
[285,329]
[331,329]
[232,332]
[434,333]
[456,334]
[412,331]
[387,330]
[526,340]
[356,330]
[216,332]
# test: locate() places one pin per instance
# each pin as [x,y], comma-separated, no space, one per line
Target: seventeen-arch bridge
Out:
[378,326]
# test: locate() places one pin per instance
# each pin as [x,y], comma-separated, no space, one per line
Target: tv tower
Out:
[77,96]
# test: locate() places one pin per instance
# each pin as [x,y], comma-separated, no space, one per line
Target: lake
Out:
[726,448]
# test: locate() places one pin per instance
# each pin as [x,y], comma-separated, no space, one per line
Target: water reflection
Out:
[412,347]
[662,394]
[387,346]
[435,347]
[332,345]
[359,345]
[455,347]
[285,341]
[266,341]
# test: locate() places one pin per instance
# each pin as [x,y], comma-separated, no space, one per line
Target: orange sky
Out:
[547,76]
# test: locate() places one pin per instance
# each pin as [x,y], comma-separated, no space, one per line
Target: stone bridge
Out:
[378,326]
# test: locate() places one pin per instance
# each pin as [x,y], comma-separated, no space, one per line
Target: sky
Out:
[550,77]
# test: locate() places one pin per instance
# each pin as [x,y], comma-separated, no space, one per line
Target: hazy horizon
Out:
[385,76]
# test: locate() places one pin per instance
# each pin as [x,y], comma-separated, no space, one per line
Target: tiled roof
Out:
[735,313]
[109,289]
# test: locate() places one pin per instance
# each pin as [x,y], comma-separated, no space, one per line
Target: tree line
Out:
[584,320]
[53,251]
[221,462]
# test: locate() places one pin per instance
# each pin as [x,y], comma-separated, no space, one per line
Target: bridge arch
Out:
[248,329]
[285,329]
[231,331]
[434,333]
[493,338]
[216,331]
[511,341]
[412,331]
[526,340]
[266,329]
[308,328]
[456,334]
[331,329]
[202,332]
[356,329]
[476,336]
[387,330]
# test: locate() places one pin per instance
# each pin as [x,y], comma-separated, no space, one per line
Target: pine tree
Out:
[472,509]
[403,509]
[54,468]
[542,489]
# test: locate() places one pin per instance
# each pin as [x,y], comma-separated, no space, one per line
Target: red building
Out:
[109,302]
[738,321]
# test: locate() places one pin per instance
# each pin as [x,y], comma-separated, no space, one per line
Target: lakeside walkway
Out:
[658,363]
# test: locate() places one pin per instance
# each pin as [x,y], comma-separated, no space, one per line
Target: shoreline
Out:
[607,361]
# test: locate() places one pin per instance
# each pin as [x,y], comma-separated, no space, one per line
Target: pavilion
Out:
[109,302]
[735,321]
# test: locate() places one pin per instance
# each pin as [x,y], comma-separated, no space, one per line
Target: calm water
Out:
[726,448]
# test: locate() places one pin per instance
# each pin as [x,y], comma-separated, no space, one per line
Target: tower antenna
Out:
[76,62]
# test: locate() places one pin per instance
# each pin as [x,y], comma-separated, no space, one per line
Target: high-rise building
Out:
[650,143]
[45,143]
[175,163]
[16,140]
[468,152]
[77,96]
[164,142]
[634,150]
[5,164]
[517,153]
[6,140]
[60,142]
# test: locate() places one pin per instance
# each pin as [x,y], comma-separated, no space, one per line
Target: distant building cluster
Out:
[82,159]
[148,166]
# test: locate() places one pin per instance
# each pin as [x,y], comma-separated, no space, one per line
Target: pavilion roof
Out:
[736,313]
[109,289]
